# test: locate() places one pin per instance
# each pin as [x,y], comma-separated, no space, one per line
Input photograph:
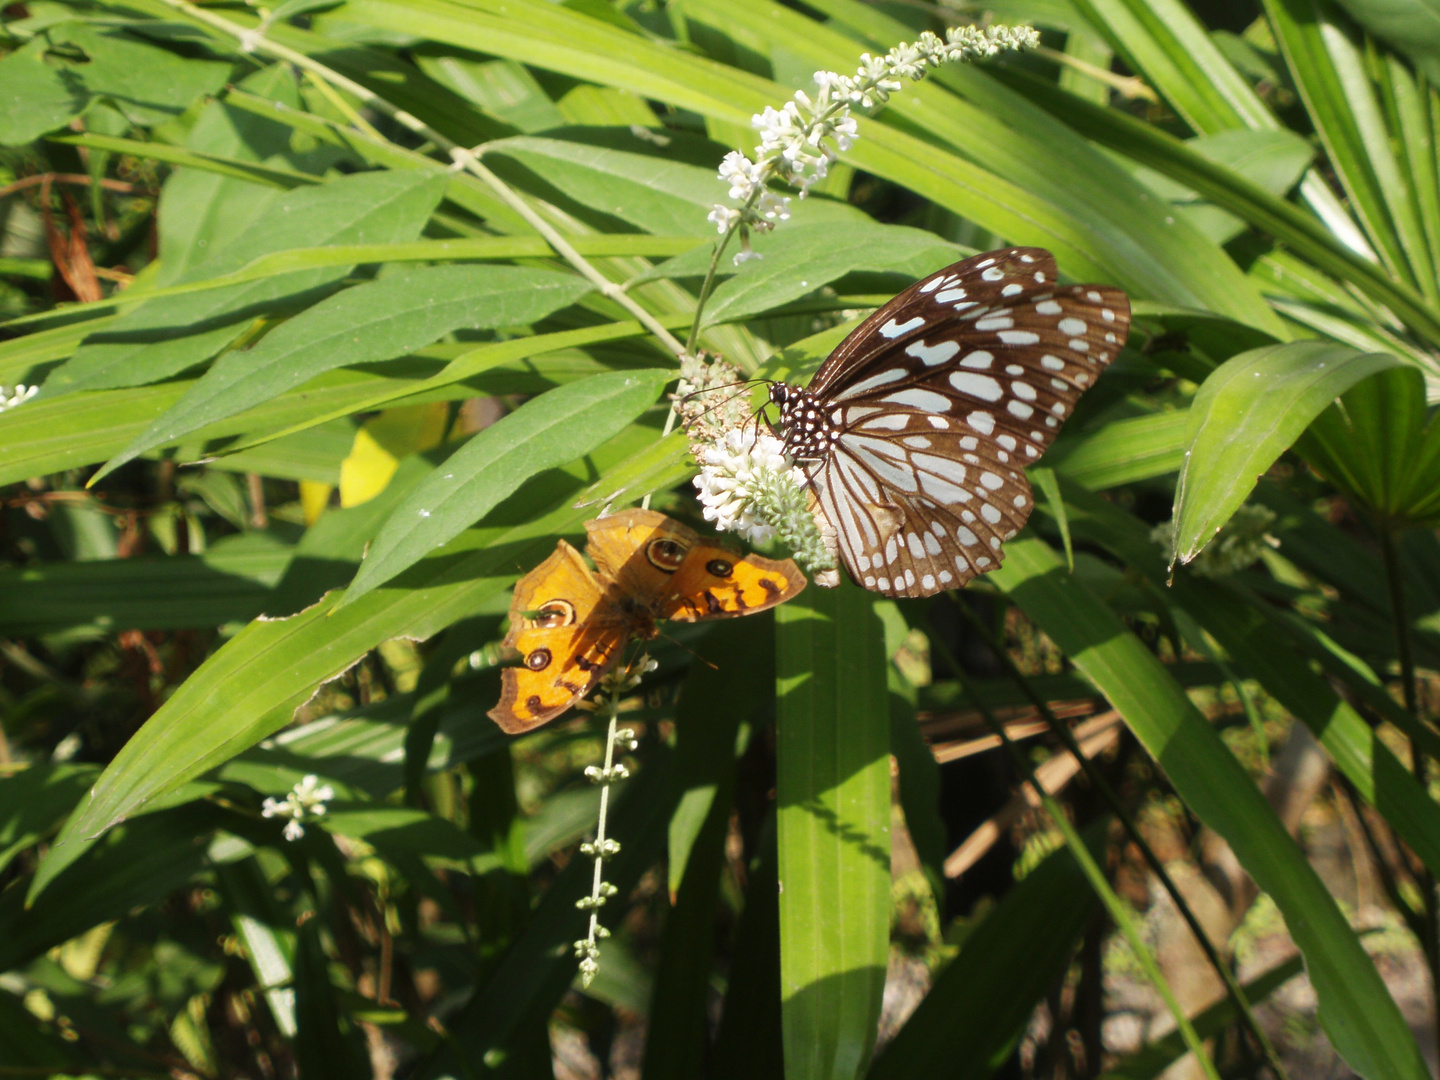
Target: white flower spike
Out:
[795,140]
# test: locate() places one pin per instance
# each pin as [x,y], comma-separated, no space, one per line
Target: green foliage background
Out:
[296,263]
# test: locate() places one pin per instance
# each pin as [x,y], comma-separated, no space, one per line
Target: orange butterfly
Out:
[570,624]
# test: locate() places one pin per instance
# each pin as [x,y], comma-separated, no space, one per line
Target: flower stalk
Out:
[612,685]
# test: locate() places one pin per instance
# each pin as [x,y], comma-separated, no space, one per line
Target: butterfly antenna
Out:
[692,652]
[745,386]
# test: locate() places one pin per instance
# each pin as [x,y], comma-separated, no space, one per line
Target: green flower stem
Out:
[461,156]
[602,848]
[1117,806]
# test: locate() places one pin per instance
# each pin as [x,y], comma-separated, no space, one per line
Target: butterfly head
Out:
[808,433]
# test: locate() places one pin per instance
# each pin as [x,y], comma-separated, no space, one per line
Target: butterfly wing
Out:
[677,575]
[939,399]
[568,634]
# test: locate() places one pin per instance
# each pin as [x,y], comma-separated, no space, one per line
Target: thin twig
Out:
[71,178]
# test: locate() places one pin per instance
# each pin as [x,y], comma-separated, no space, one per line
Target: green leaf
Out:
[52,79]
[38,98]
[668,198]
[969,1022]
[131,867]
[1412,26]
[228,583]
[1247,413]
[1122,451]
[1355,1009]
[34,800]
[1379,447]
[800,260]
[1331,75]
[552,430]
[251,686]
[714,702]
[833,799]
[166,336]
[375,321]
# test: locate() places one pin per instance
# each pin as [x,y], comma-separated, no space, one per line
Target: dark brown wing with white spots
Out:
[921,420]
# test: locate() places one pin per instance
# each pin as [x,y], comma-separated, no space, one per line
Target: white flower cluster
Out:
[307,797]
[10,396]
[795,141]
[732,473]
[748,485]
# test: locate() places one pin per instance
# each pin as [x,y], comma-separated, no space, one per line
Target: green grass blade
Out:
[833,792]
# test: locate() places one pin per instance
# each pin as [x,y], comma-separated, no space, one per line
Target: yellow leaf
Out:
[382,442]
[314,497]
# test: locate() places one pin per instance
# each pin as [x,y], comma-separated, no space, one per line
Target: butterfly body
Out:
[915,431]
[570,623]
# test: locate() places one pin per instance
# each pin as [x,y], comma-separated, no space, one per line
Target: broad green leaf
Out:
[201,212]
[167,336]
[1355,1009]
[978,1008]
[1321,242]
[1381,448]
[802,259]
[552,430]
[131,867]
[374,321]
[833,811]
[1245,416]
[664,197]
[1122,451]
[1166,42]
[82,429]
[1247,633]
[38,98]
[52,79]
[552,37]
[1168,45]
[228,583]
[717,698]
[34,800]
[252,685]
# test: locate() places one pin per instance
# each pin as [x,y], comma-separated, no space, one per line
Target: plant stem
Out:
[1419,760]
[1122,813]
[463,158]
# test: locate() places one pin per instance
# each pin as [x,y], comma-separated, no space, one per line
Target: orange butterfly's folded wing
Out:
[668,567]
[714,583]
[639,550]
[557,624]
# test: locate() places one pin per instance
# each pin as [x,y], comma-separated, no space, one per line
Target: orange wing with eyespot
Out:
[570,624]
[568,634]
[677,575]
